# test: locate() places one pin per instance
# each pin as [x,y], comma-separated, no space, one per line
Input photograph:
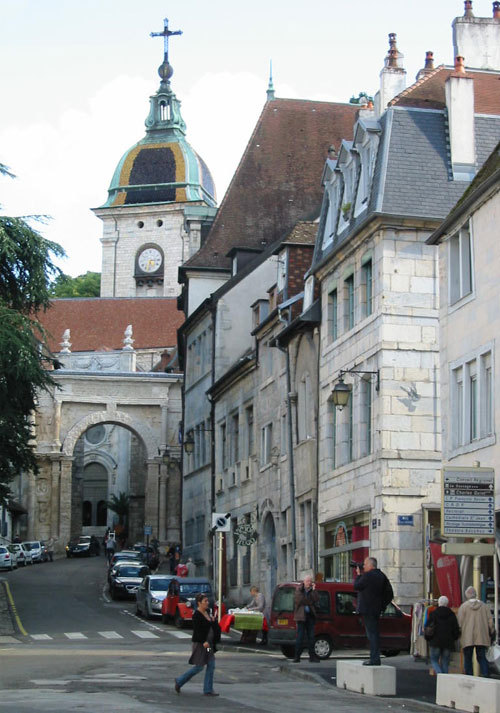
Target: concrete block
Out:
[372,680]
[467,693]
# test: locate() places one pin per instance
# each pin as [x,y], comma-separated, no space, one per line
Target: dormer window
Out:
[332,195]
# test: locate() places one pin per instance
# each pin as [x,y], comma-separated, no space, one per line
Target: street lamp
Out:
[342,391]
[189,443]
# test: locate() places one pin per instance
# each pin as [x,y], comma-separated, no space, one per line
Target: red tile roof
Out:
[278,180]
[429,93]
[98,324]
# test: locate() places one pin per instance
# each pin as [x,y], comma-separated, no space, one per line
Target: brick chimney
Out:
[459,90]
[392,77]
[478,38]
[428,66]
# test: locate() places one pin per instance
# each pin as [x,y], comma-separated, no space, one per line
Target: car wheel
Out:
[323,646]
[288,650]
[391,652]
[178,620]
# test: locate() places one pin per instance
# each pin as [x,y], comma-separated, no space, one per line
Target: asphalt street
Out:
[73,649]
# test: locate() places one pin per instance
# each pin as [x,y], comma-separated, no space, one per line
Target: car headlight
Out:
[118,583]
[155,601]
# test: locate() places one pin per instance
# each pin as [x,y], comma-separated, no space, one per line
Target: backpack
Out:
[387,593]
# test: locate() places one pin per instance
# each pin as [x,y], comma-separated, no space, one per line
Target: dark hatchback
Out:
[125,579]
[83,546]
[338,625]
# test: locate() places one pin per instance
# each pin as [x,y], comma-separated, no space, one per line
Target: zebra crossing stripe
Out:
[75,635]
[180,634]
[110,634]
[143,634]
[41,637]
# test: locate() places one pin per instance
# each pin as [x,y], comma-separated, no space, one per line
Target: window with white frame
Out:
[333,312]
[460,265]
[367,285]
[249,431]
[235,438]
[282,270]
[223,446]
[471,400]
[349,303]
[365,417]
[266,444]
[305,407]
[284,433]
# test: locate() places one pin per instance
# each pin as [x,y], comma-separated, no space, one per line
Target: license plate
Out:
[282,622]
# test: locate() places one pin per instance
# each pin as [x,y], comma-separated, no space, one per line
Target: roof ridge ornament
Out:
[165,69]
[270,86]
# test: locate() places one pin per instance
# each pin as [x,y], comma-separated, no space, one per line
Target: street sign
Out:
[221,522]
[474,549]
[406,520]
[468,502]
[148,529]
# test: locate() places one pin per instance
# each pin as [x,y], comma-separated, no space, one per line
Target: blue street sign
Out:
[405,520]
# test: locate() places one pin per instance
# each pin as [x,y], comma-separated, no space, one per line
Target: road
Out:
[84,652]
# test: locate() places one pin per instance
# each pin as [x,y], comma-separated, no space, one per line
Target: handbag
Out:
[493,657]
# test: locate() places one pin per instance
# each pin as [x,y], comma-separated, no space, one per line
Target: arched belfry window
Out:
[164,111]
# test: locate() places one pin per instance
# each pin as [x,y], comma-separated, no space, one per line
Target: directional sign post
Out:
[468,502]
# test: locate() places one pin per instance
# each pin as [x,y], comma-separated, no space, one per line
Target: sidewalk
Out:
[6,624]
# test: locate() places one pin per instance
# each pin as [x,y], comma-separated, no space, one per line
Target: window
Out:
[471,400]
[333,314]
[333,451]
[350,431]
[249,425]
[367,288]
[223,446]
[349,303]
[460,265]
[266,437]
[305,408]
[365,417]
[235,438]
[284,434]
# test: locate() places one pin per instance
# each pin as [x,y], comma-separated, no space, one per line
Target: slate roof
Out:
[278,180]
[303,233]
[413,176]
[98,324]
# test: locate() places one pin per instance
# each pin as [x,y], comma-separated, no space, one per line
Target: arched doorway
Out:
[269,554]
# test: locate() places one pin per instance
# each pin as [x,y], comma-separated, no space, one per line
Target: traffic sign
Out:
[221,522]
[148,529]
[468,502]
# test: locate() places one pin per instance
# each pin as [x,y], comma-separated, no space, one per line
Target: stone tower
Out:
[161,201]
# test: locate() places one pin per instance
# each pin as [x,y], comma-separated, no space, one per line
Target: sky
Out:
[76,78]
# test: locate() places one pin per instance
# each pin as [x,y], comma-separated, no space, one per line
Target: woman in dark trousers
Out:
[446,632]
[206,633]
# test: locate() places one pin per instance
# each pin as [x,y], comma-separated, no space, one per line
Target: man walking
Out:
[476,624]
[110,546]
[375,593]
[306,602]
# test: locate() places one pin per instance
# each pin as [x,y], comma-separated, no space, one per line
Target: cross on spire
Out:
[165,34]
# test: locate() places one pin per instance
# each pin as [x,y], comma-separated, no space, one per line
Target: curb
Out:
[7,627]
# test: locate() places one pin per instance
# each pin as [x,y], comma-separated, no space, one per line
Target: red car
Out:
[180,602]
[338,626]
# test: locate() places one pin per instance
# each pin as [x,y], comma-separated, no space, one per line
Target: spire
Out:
[270,86]
[165,108]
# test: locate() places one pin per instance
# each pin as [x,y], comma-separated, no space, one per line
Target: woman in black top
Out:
[206,633]
[446,632]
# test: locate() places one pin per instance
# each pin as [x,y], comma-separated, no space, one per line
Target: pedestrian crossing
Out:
[142,634]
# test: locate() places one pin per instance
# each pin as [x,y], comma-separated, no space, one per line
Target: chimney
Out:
[428,68]
[392,77]
[478,38]
[459,90]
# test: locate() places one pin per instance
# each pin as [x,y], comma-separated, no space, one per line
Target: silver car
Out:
[8,560]
[22,553]
[151,594]
[35,547]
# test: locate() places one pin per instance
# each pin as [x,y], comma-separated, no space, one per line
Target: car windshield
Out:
[159,585]
[284,599]
[129,571]
[3,550]
[195,588]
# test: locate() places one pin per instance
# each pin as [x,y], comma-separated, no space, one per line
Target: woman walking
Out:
[445,631]
[206,634]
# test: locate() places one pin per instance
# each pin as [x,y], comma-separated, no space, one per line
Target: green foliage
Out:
[88,285]
[120,505]
[26,269]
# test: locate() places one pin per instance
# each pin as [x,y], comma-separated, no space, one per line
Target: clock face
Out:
[150,260]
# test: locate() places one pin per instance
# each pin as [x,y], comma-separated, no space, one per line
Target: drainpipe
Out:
[291,473]
[213,310]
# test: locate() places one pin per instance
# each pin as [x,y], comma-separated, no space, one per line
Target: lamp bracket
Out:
[359,371]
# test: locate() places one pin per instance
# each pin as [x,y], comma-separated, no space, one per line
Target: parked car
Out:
[125,555]
[151,593]
[83,546]
[35,548]
[338,626]
[125,578]
[8,559]
[180,602]
[22,553]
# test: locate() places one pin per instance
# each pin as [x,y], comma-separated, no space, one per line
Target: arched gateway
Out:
[103,433]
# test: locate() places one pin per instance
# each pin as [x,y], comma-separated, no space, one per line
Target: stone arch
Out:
[119,418]
[268,553]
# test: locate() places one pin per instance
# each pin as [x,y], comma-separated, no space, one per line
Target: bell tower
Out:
[160,203]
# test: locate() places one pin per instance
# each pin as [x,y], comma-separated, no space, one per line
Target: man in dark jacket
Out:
[374,594]
[306,601]
[446,631]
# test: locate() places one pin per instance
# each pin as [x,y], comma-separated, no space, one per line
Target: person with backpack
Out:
[374,594]
[441,632]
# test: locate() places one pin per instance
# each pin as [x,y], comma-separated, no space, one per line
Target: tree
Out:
[26,270]
[88,285]
[120,505]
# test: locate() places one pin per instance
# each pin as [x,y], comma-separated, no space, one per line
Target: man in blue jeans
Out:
[374,594]
[306,601]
